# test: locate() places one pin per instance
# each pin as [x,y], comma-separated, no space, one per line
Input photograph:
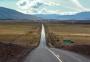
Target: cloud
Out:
[46,11]
[82,8]
[35,6]
[51,3]
[29,3]
[43,6]
[31,6]
[23,4]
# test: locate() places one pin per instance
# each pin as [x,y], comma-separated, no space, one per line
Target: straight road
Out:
[45,54]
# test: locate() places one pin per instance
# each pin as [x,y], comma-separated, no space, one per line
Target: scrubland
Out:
[17,39]
[77,34]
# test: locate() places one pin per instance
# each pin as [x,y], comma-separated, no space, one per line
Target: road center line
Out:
[54,54]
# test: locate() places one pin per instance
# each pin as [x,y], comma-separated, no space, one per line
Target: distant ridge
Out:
[6,13]
[78,16]
[10,14]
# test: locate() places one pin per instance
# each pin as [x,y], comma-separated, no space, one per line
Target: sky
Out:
[64,7]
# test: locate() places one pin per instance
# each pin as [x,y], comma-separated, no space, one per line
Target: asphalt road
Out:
[45,54]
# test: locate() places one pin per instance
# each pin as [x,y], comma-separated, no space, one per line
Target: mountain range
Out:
[6,13]
[78,16]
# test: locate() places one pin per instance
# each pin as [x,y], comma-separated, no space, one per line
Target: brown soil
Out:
[12,53]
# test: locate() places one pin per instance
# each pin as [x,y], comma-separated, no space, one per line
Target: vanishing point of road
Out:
[44,54]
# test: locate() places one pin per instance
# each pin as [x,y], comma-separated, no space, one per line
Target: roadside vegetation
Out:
[17,39]
[72,37]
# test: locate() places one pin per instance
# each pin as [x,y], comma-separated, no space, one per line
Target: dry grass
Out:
[78,33]
[17,40]
[24,34]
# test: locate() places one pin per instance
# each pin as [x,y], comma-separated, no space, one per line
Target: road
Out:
[45,54]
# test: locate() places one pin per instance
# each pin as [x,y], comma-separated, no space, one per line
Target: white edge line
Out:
[54,55]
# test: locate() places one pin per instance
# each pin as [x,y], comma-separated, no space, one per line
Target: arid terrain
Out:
[72,37]
[17,39]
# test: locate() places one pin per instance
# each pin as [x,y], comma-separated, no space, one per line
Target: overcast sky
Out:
[47,6]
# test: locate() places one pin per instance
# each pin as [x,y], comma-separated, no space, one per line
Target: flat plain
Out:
[24,34]
[73,37]
[17,39]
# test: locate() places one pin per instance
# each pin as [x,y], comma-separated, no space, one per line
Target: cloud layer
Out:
[51,7]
